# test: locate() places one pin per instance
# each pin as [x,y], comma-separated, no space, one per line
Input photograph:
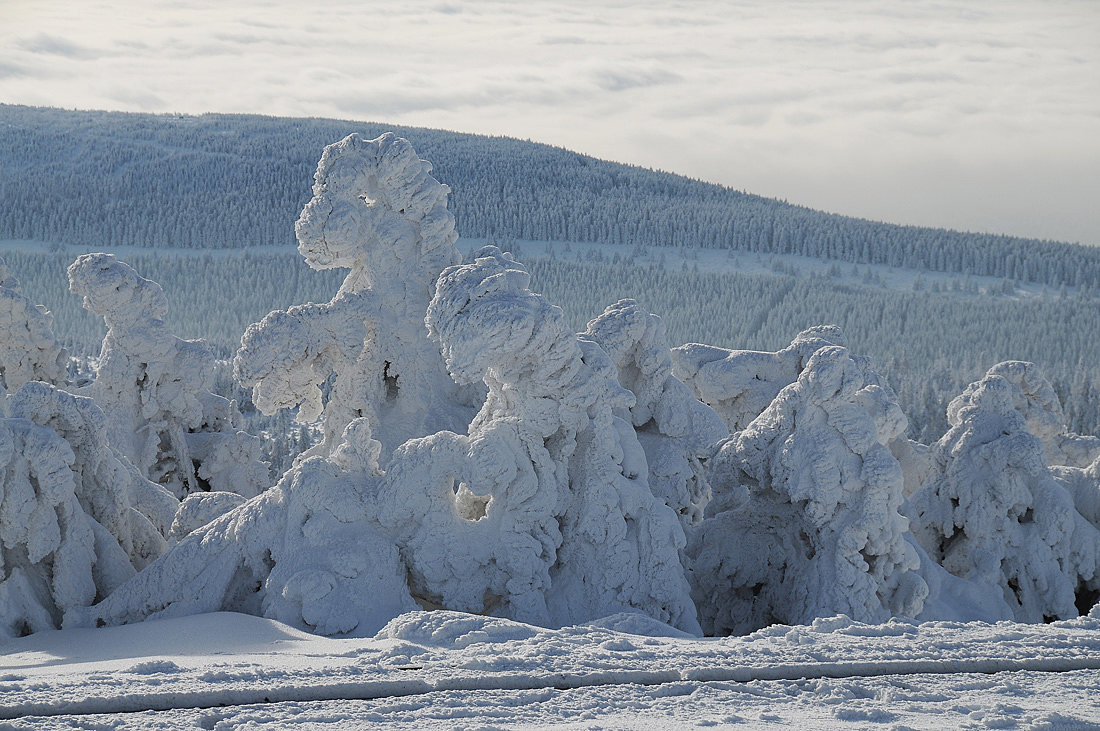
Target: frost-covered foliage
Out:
[991,512]
[543,513]
[675,429]
[377,211]
[739,384]
[76,521]
[28,349]
[805,523]
[306,552]
[155,388]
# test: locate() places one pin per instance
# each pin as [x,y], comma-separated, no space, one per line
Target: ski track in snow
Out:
[448,668]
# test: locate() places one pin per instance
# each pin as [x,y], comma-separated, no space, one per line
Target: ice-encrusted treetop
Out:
[1037,402]
[377,210]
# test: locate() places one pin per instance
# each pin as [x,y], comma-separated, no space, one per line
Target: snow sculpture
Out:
[805,520]
[674,428]
[376,211]
[991,512]
[739,384]
[28,349]
[155,388]
[75,520]
[542,514]
[305,552]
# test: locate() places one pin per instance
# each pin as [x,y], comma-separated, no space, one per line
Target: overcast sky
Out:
[970,115]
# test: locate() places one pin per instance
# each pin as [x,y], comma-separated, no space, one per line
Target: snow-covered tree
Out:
[675,429]
[805,520]
[306,552]
[377,211]
[543,513]
[992,513]
[155,388]
[76,521]
[28,349]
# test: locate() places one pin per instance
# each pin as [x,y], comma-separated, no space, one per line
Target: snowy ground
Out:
[448,670]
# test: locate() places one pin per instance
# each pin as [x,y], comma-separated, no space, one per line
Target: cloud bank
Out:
[964,115]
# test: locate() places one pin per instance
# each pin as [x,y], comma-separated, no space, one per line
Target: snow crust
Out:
[432,669]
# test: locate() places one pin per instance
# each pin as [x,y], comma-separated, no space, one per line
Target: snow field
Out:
[626,671]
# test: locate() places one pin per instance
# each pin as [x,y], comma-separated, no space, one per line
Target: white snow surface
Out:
[451,670]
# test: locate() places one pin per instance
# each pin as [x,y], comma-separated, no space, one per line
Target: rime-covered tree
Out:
[805,520]
[28,349]
[543,513]
[992,513]
[155,388]
[377,211]
[675,429]
[76,520]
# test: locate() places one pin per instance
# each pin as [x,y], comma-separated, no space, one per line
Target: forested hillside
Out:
[928,343]
[229,181]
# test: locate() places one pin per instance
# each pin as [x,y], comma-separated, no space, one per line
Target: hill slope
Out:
[233,181]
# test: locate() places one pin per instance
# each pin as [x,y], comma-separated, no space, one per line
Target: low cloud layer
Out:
[971,116]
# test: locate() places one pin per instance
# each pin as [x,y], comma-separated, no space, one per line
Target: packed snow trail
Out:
[215,660]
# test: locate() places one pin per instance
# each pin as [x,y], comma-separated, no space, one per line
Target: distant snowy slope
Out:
[229,181]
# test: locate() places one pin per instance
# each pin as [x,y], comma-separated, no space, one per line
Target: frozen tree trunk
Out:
[805,521]
[377,211]
[155,389]
[991,512]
